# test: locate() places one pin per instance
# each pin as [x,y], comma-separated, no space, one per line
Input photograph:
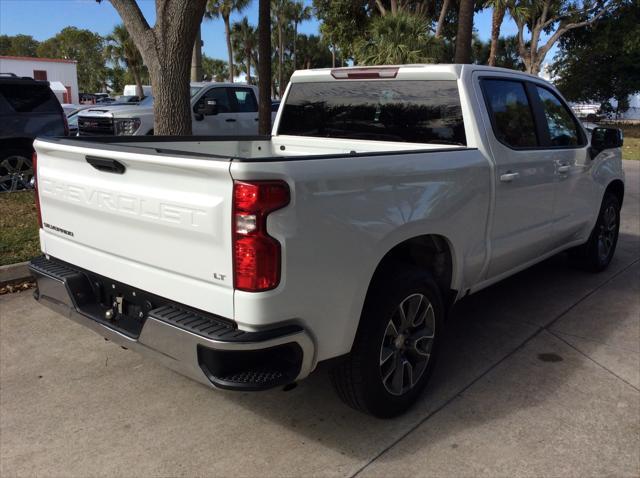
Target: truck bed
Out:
[248,148]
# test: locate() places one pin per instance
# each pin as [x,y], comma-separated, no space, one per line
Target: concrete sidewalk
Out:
[540,377]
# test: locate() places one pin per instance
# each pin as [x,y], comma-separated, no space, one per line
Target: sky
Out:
[42,19]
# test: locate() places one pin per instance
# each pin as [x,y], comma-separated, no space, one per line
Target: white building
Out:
[62,74]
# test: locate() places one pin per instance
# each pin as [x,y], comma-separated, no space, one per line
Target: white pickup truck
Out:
[383,196]
[223,109]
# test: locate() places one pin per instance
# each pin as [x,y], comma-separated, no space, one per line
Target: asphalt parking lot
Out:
[540,377]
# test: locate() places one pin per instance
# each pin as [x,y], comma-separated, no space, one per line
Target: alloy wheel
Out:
[16,172]
[407,344]
[607,232]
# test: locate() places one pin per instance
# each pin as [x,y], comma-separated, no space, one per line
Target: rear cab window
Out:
[27,98]
[412,111]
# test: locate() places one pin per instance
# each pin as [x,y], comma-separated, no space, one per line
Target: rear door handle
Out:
[230,120]
[564,168]
[508,177]
[106,165]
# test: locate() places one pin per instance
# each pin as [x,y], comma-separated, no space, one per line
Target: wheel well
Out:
[429,251]
[25,144]
[616,187]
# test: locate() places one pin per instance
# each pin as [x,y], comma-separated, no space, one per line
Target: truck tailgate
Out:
[163,224]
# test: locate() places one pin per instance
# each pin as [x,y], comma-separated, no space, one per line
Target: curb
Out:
[13,272]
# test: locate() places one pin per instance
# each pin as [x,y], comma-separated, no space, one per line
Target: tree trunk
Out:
[172,101]
[196,59]
[264,67]
[295,39]
[280,61]
[465,31]
[166,50]
[496,22]
[333,56]
[248,68]
[227,32]
[442,17]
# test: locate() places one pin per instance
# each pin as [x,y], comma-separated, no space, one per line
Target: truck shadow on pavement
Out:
[482,331]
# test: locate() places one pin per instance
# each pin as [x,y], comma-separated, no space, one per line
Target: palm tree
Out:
[223,9]
[499,8]
[442,17]
[120,48]
[395,39]
[245,40]
[313,52]
[465,32]
[299,14]
[264,66]
[281,14]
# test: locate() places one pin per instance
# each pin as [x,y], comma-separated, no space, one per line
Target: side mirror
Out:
[206,107]
[605,138]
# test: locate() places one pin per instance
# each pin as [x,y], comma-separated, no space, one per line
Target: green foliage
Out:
[224,8]
[18,45]
[244,38]
[215,69]
[312,52]
[19,239]
[506,57]
[83,46]
[121,50]
[397,39]
[343,22]
[601,61]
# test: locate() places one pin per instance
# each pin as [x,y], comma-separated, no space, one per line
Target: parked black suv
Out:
[28,108]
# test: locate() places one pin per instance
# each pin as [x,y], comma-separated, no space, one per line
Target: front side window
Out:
[510,112]
[245,100]
[379,110]
[563,130]
[221,97]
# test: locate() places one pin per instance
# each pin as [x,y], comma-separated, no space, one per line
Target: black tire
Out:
[358,378]
[595,255]
[16,169]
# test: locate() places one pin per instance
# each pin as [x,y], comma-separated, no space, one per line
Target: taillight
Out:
[256,255]
[34,165]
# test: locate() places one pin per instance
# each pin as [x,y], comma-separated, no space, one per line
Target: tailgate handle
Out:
[106,165]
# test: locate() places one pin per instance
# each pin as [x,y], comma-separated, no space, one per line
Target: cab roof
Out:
[401,72]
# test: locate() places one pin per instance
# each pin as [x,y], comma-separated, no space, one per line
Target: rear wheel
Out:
[596,254]
[16,170]
[396,345]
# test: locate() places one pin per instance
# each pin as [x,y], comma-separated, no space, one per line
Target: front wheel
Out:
[596,254]
[395,347]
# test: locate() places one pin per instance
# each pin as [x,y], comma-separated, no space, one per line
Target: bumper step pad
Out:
[229,358]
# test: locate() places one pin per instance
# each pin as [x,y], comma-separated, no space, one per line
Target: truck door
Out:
[245,105]
[524,176]
[577,197]
[221,124]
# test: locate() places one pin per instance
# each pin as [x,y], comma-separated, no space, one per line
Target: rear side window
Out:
[380,110]
[245,100]
[510,112]
[563,130]
[25,98]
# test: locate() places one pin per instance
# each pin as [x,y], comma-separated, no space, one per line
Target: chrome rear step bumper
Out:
[206,348]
